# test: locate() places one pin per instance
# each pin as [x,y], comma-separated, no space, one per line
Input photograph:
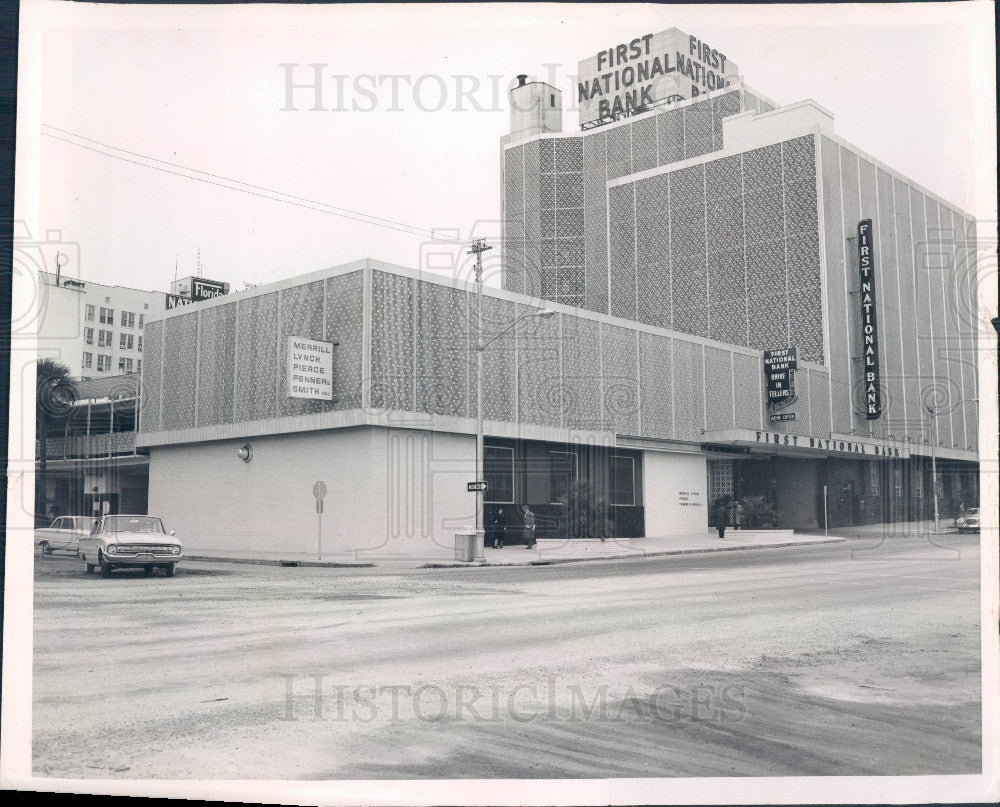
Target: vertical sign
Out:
[778,376]
[310,369]
[869,324]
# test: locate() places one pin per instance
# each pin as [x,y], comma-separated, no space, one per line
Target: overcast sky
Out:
[203,87]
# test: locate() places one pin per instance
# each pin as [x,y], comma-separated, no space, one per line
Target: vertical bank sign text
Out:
[869,325]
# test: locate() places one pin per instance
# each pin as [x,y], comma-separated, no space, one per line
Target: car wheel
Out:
[169,569]
[105,566]
[46,549]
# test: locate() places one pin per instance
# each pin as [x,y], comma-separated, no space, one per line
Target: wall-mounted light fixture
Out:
[245,452]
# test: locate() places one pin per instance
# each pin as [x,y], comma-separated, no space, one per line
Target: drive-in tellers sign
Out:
[779,376]
[310,369]
[869,323]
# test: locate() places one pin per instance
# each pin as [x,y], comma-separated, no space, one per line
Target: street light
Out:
[479,246]
[934,411]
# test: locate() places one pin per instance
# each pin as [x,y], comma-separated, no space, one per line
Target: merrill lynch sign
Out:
[310,369]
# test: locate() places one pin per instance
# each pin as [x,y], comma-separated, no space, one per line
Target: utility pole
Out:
[479,246]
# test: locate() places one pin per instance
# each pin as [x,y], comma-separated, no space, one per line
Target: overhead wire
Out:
[249,188]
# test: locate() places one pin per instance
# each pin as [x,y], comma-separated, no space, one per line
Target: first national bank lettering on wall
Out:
[310,369]
[869,323]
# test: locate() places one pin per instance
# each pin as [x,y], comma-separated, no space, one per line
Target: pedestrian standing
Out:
[960,513]
[738,515]
[720,518]
[497,525]
[529,526]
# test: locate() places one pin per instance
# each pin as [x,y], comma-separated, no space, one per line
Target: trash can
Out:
[469,546]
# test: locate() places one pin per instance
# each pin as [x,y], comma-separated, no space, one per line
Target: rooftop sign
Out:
[650,70]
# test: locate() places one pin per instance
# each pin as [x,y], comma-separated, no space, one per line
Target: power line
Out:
[248,187]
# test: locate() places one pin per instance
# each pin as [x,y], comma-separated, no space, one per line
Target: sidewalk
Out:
[545,552]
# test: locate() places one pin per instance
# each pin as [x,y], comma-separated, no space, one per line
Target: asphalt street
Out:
[848,659]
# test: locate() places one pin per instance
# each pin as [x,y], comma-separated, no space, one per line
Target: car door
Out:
[88,543]
[76,529]
[52,535]
[64,538]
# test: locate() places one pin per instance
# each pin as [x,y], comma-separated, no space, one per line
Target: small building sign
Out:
[779,376]
[310,369]
[781,417]
[475,487]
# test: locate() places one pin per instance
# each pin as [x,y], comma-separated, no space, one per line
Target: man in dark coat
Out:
[496,529]
[720,518]
[529,526]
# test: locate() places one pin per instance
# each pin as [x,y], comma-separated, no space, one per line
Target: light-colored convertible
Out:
[130,541]
[64,533]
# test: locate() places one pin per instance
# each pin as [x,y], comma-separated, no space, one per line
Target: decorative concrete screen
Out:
[224,361]
[404,358]
[925,287]
[727,249]
[555,209]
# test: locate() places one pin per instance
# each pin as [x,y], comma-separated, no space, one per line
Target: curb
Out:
[325,564]
[633,556]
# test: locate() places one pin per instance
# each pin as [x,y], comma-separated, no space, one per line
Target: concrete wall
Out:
[675,493]
[397,491]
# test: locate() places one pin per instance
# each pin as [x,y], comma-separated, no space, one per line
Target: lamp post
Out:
[479,246]
[934,411]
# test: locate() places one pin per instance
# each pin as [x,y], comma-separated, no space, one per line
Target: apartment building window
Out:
[88,335]
[138,344]
[103,362]
[125,365]
[128,319]
[138,365]
[107,316]
[126,342]
[142,318]
[88,360]
[104,338]
[90,313]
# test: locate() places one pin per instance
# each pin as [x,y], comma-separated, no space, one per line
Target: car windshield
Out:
[132,524]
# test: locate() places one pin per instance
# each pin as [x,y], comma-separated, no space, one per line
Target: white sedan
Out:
[64,533]
[130,541]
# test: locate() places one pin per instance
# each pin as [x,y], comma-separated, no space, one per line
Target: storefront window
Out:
[874,469]
[623,480]
[498,470]
[563,474]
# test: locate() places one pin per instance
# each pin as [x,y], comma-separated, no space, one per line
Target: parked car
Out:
[130,541]
[970,521]
[64,533]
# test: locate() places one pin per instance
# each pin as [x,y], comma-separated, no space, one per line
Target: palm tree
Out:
[55,392]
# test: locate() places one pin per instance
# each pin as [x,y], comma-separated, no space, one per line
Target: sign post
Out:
[319,491]
[826,517]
